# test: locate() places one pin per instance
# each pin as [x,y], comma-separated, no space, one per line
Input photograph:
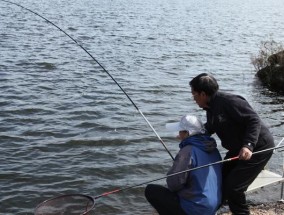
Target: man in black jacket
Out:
[241,132]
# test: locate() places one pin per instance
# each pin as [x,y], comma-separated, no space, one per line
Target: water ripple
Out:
[66,127]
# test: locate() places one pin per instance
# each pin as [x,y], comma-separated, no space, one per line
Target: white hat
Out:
[187,123]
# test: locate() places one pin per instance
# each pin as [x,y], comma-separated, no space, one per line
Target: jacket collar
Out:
[211,101]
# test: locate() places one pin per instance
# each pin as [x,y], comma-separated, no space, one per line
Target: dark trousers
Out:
[163,200]
[237,176]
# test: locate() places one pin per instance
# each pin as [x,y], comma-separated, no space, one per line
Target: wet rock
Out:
[272,77]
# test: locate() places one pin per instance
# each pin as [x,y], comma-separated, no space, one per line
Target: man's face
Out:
[200,98]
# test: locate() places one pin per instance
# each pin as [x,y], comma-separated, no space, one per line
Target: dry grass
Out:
[266,49]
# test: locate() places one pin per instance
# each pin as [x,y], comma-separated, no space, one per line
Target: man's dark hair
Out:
[206,83]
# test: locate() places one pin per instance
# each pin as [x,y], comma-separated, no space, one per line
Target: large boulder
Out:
[272,76]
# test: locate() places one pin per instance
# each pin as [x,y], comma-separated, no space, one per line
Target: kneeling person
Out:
[196,192]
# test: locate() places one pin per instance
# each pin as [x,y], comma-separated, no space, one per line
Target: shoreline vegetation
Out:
[266,49]
[269,65]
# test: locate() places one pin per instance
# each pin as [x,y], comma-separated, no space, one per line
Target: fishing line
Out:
[69,201]
[102,68]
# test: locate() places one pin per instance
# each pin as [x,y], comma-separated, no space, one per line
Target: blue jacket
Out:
[199,190]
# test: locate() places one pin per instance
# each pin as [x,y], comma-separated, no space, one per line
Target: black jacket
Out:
[236,124]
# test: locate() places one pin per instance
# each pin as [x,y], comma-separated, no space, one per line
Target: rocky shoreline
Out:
[269,208]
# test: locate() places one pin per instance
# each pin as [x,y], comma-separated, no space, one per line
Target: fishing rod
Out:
[75,41]
[65,201]
[280,142]
[184,171]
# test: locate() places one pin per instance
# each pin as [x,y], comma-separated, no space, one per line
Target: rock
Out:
[272,77]
[277,58]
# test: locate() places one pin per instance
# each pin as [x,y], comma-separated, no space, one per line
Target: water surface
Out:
[66,127]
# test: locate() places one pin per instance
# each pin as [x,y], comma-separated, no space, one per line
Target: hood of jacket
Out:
[202,141]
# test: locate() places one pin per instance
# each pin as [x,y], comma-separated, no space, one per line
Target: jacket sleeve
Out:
[182,162]
[242,113]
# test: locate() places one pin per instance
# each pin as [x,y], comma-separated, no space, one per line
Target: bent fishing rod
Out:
[75,41]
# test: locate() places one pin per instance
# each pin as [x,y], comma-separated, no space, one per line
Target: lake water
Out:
[66,127]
